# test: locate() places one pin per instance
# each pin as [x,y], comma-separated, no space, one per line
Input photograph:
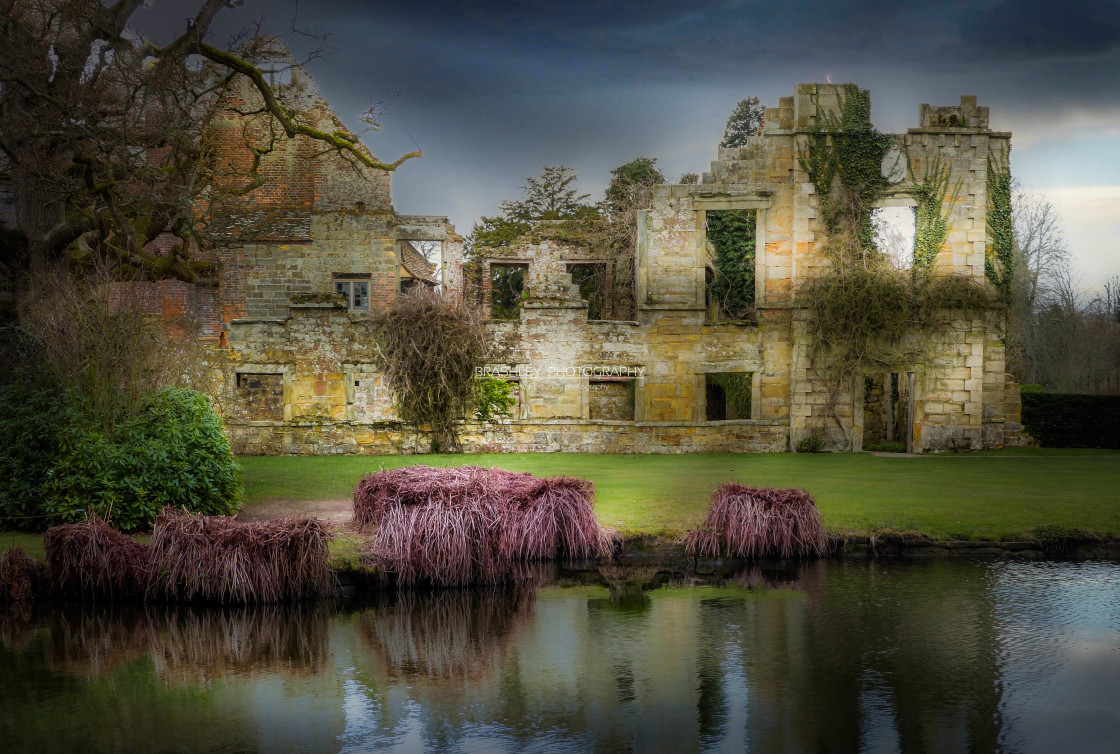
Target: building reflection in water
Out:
[829,656]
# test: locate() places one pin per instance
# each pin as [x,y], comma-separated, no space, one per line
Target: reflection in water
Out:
[628,584]
[188,644]
[829,656]
[446,634]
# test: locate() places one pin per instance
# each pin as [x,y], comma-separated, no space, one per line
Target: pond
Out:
[828,656]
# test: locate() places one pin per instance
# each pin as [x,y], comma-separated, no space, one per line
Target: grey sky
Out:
[491,91]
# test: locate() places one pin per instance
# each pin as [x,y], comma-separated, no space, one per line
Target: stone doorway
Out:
[888,409]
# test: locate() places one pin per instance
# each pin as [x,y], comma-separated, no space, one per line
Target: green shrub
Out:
[493,398]
[31,414]
[886,447]
[1065,420]
[172,452]
[814,443]
[64,463]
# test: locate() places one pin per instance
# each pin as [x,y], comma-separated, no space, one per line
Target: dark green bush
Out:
[169,451]
[1066,420]
[885,447]
[31,413]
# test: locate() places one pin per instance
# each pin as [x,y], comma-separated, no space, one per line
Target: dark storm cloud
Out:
[1044,28]
[458,49]
[493,90]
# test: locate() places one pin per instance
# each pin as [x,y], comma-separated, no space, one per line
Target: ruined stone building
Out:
[681,362]
[318,248]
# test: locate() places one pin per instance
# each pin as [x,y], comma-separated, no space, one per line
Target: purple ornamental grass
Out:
[464,525]
[753,522]
[20,576]
[192,558]
[220,559]
[91,558]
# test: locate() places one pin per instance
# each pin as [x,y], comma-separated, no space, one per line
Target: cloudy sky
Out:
[492,91]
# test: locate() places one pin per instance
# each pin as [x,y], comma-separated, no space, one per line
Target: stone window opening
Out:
[262,395]
[591,277]
[517,409]
[727,396]
[611,399]
[888,409]
[277,73]
[729,290]
[895,229]
[507,290]
[355,289]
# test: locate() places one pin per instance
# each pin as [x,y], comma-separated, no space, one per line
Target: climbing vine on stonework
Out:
[844,159]
[935,201]
[737,388]
[863,314]
[1001,241]
[732,233]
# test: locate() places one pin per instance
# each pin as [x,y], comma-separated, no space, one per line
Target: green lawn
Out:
[32,544]
[998,494]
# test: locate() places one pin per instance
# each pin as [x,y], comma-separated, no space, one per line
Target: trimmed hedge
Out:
[1067,420]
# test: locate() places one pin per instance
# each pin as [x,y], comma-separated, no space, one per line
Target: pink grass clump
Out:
[91,558]
[220,559]
[21,576]
[753,522]
[466,525]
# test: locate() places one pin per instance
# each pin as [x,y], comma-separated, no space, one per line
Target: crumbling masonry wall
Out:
[640,385]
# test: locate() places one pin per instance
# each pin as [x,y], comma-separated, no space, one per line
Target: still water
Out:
[833,656]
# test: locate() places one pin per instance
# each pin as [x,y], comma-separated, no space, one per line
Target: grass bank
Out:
[991,495]
[997,495]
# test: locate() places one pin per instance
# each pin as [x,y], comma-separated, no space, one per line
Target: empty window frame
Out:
[277,72]
[507,284]
[611,400]
[355,290]
[262,395]
[895,230]
[727,396]
[513,411]
[591,277]
[730,282]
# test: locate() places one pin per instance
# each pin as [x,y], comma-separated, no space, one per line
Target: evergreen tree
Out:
[745,120]
[631,184]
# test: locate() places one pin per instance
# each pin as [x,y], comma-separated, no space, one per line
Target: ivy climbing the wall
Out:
[843,159]
[732,234]
[931,221]
[736,388]
[863,313]
[1001,241]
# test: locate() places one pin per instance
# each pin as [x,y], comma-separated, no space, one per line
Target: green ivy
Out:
[931,215]
[844,162]
[999,254]
[732,233]
[737,388]
[493,398]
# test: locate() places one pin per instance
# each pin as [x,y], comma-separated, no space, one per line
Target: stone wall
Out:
[548,436]
[651,370]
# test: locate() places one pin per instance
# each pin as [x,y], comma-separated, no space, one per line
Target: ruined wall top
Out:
[811,101]
[965,115]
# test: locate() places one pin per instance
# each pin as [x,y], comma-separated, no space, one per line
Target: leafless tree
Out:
[1041,279]
[105,133]
[1069,338]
